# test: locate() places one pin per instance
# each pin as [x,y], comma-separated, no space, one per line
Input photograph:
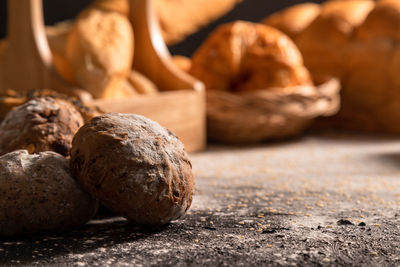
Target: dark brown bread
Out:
[243,56]
[134,167]
[39,195]
[41,124]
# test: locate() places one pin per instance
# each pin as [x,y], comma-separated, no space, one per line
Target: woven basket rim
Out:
[270,113]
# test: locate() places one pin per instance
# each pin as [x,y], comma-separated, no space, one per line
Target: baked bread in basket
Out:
[257,85]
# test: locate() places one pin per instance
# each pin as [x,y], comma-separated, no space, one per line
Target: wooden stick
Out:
[154,58]
[27,60]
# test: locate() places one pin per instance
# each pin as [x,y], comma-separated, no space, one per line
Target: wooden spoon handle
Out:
[154,58]
[27,53]
[26,29]
[28,63]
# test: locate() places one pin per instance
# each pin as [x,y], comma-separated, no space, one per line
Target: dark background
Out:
[251,10]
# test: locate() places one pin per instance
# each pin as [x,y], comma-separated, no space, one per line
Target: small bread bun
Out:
[100,50]
[57,36]
[323,44]
[134,167]
[120,6]
[41,124]
[11,99]
[184,63]
[294,19]
[243,56]
[372,83]
[142,84]
[39,195]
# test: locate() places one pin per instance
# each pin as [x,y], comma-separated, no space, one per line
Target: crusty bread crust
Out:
[294,19]
[135,167]
[243,56]
[39,195]
[100,51]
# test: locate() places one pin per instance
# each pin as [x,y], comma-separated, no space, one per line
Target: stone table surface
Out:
[323,199]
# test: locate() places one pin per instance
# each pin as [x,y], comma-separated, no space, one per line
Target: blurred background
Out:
[251,10]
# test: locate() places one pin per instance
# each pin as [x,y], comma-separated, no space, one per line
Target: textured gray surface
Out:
[325,199]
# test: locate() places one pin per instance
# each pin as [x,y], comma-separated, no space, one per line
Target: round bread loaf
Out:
[11,99]
[142,84]
[243,56]
[183,63]
[100,51]
[133,166]
[57,36]
[41,124]
[294,19]
[325,41]
[39,195]
[371,86]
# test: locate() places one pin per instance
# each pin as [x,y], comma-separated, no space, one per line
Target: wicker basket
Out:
[268,114]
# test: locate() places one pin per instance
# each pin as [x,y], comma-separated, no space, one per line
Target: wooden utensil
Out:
[26,62]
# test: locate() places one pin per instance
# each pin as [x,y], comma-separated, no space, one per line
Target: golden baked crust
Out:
[293,20]
[141,83]
[57,36]
[371,93]
[100,50]
[323,44]
[383,22]
[244,56]
[40,196]
[184,63]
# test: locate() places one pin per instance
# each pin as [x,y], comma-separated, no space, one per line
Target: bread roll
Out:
[100,51]
[323,44]
[134,167]
[141,83]
[184,63]
[57,37]
[40,196]
[293,20]
[243,56]
[372,84]
[41,124]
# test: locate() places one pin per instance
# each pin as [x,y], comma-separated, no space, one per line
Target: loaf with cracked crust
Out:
[39,195]
[41,124]
[100,50]
[134,167]
[244,56]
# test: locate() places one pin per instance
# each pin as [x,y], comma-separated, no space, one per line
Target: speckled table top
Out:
[324,199]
